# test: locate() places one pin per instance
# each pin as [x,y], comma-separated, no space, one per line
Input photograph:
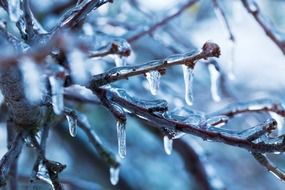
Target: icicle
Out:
[167,143]
[232,60]
[121,135]
[14,10]
[33,85]
[57,94]
[214,76]
[153,78]
[43,174]
[114,175]
[188,81]
[78,67]
[72,125]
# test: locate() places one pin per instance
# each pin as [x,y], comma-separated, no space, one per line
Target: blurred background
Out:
[255,68]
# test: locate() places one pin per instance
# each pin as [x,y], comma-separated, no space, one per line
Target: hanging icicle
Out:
[214,76]
[188,81]
[114,175]
[153,78]
[121,135]
[167,143]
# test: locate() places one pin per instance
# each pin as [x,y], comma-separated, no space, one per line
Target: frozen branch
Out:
[270,30]
[73,17]
[212,134]
[253,106]
[163,22]
[209,50]
[264,161]
[10,157]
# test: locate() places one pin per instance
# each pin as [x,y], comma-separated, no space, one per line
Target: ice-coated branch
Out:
[209,49]
[163,22]
[11,156]
[44,169]
[201,130]
[277,37]
[115,48]
[264,161]
[253,106]
[73,16]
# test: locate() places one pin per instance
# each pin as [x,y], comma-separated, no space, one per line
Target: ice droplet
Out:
[188,81]
[43,174]
[57,94]
[72,125]
[14,10]
[77,63]
[214,76]
[167,143]
[114,175]
[153,78]
[121,135]
[33,84]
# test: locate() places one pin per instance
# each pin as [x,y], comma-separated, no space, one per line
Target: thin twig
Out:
[253,9]
[264,161]
[163,22]
[222,16]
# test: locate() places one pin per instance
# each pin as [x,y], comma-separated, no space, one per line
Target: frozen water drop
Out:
[188,82]
[114,175]
[121,135]
[14,10]
[72,125]
[33,84]
[57,94]
[153,78]
[77,63]
[167,143]
[214,76]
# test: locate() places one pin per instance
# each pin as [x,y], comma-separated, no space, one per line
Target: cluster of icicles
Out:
[77,61]
[35,88]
